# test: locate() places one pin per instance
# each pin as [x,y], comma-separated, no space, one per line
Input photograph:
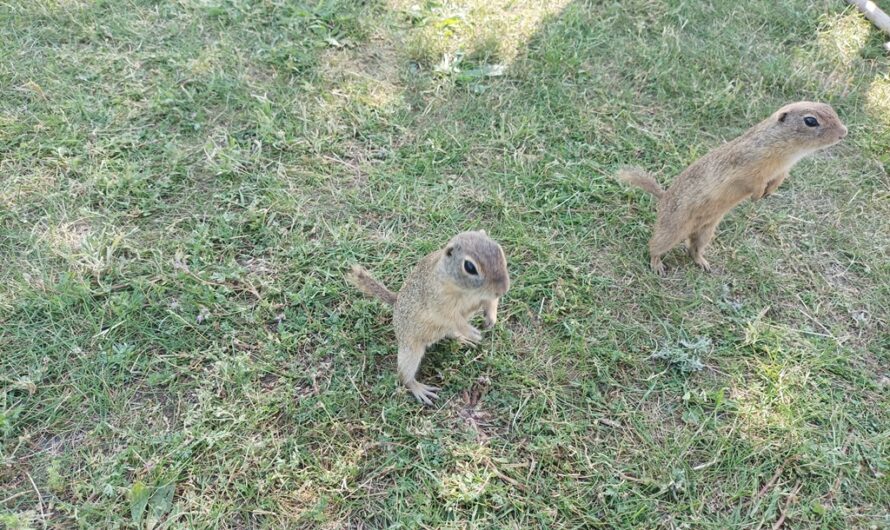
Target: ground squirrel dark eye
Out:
[470,268]
[811,121]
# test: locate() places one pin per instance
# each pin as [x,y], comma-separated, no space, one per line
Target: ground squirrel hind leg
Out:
[662,241]
[698,242]
[409,362]
[468,334]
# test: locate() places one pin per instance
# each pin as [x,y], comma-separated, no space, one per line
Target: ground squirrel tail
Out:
[366,283]
[641,179]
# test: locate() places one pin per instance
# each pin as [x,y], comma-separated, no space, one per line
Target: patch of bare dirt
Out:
[369,75]
[376,60]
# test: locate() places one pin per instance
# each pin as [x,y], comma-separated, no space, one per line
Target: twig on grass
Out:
[791,498]
[770,483]
[766,487]
[39,500]
[509,480]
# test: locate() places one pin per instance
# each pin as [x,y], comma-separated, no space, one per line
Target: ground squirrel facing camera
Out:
[752,165]
[438,298]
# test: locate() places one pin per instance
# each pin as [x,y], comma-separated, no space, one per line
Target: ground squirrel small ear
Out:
[449,251]
[783,116]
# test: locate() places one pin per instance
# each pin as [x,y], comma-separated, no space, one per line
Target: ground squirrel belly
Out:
[438,298]
[750,166]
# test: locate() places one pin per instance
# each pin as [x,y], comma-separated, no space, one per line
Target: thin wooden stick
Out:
[791,498]
[39,499]
[769,483]
[873,13]
[513,482]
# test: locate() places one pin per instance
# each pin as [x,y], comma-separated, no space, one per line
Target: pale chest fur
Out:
[434,315]
[458,305]
[745,181]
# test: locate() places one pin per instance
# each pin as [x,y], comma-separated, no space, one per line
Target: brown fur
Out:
[364,282]
[641,179]
[439,297]
[750,166]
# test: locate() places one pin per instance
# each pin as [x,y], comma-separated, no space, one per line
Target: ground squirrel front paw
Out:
[490,311]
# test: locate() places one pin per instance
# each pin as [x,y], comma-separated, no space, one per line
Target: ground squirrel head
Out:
[475,262]
[812,126]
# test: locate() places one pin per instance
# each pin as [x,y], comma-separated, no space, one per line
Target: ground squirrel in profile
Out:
[752,165]
[438,298]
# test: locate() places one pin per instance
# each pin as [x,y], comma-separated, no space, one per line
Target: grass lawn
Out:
[184,183]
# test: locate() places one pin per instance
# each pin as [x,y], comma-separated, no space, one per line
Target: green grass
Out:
[183,185]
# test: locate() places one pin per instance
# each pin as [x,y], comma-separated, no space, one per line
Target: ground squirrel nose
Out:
[843,131]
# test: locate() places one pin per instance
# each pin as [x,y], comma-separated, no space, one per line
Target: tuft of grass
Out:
[685,356]
[185,183]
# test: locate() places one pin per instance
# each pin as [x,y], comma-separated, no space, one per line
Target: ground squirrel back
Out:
[750,166]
